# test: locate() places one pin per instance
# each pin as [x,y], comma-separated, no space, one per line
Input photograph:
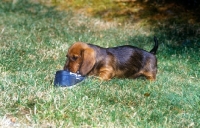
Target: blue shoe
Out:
[65,78]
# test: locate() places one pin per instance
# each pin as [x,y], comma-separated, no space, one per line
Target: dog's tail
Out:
[153,51]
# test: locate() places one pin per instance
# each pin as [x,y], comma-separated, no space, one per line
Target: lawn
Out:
[34,39]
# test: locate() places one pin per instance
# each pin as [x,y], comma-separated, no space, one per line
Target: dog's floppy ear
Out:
[88,55]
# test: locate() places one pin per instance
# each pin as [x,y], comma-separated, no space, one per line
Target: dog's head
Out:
[80,58]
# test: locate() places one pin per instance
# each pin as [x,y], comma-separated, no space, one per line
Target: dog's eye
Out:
[74,58]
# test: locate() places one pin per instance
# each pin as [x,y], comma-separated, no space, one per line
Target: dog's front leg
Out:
[106,73]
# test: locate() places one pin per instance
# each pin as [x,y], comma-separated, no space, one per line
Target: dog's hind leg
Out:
[150,75]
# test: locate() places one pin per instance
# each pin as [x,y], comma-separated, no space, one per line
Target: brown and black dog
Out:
[121,62]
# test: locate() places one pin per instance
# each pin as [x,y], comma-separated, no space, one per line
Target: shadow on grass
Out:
[175,23]
[134,11]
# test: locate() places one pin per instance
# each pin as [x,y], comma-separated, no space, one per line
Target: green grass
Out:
[33,43]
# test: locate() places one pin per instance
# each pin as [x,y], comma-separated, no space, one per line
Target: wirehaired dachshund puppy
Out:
[121,62]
